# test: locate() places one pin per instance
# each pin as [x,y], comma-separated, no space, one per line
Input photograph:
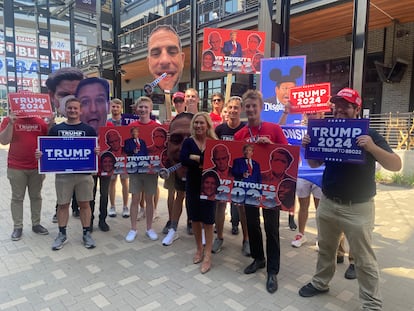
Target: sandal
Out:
[198,257]
[206,265]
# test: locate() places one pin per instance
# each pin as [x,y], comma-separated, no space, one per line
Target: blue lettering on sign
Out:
[28,67]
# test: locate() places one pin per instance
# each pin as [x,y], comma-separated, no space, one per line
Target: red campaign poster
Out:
[310,98]
[232,50]
[130,150]
[247,173]
[27,104]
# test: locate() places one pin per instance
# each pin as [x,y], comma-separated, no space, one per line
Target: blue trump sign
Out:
[294,135]
[67,154]
[335,140]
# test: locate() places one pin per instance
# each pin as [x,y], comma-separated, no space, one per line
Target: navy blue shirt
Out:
[350,181]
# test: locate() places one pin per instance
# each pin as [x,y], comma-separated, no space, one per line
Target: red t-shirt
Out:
[24,142]
[265,129]
[138,123]
[216,118]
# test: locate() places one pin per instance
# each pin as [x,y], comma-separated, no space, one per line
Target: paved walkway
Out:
[145,275]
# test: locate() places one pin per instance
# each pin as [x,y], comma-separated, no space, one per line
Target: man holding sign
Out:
[66,184]
[22,172]
[347,206]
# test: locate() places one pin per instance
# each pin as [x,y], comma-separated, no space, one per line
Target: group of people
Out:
[346,204]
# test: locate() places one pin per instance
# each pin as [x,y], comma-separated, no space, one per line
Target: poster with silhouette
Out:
[232,51]
[278,76]
[247,173]
[140,149]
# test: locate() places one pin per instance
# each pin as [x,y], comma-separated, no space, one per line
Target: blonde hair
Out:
[210,128]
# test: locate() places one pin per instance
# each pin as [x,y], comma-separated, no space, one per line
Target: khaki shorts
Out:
[66,184]
[146,183]
[122,176]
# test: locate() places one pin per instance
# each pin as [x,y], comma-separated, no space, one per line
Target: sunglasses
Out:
[216,100]
[177,138]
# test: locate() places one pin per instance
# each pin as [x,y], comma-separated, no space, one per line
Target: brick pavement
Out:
[145,275]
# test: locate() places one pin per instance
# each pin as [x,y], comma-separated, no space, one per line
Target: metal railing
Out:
[396,127]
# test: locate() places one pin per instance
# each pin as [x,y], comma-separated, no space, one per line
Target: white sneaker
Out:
[317,246]
[141,214]
[125,212]
[112,212]
[130,237]
[299,240]
[151,235]
[170,237]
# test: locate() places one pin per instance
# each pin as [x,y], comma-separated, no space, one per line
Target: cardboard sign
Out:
[232,51]
[310,98]
[335,140]
[128,155]
[26,104]
[67,154]
[278,76]
[269,182]
[294,135]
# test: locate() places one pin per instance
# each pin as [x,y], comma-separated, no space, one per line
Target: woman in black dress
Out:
[201,211]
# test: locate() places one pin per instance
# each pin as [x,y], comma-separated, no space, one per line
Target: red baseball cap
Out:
[349,95]
[180,95]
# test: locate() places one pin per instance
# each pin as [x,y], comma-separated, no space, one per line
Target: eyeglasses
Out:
[177,138]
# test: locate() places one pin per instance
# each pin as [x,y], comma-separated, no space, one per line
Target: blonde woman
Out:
[201,212]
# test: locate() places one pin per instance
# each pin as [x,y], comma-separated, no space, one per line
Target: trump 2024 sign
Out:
[67,154]
[336,140]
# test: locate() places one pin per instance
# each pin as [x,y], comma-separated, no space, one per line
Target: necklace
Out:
[252,137]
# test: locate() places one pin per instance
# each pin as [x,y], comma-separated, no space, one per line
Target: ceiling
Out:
[336,21]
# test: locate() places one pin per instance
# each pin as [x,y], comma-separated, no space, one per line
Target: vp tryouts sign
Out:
[335,140]
[67,154]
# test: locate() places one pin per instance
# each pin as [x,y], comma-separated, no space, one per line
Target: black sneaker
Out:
[17,234]
[39,229]
[309,291]
[103,226]
[339,259]
[350,273]
[292,224]
[234,230]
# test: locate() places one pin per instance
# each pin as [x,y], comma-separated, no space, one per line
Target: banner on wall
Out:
[278,76]
[130,150]
[232,51]
[26,65]
[247,173]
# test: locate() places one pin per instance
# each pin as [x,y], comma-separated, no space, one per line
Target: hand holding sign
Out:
[26,105]
[310,98]
[337,140]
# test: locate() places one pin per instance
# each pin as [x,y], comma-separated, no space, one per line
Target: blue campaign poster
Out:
[294,135]
[67,154]
[335,140]
[278,76]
